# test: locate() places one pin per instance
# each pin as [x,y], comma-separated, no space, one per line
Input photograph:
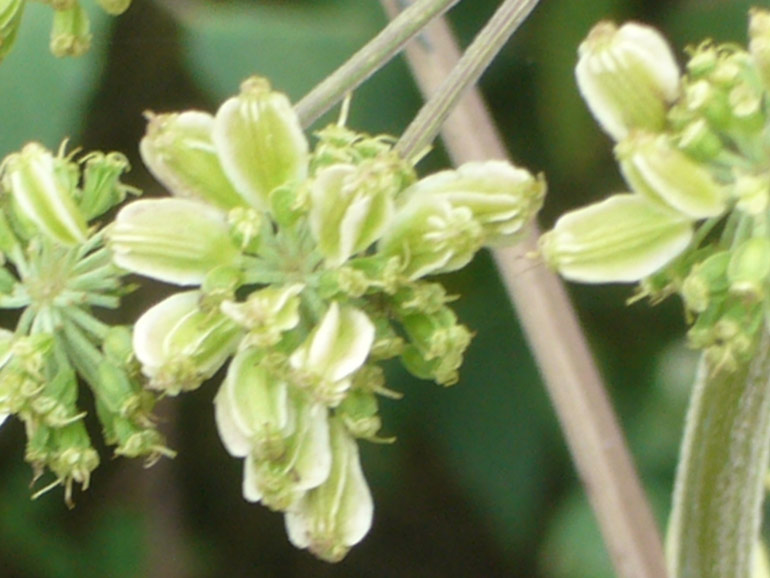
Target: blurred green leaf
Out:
[295,46]
[45,98]
[690,23]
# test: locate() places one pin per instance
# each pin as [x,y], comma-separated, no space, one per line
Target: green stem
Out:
[720,481]
[369,59]
[428,122]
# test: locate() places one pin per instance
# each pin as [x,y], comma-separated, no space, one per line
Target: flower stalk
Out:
[720,483]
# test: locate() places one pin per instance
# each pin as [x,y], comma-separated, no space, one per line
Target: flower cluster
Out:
[55,269]
[307,268]
[70,31]
[693,148]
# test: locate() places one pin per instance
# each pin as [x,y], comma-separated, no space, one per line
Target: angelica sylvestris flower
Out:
[71,28]
[57,271]
[694,158]
[307,268]
[628,76]
[336,515]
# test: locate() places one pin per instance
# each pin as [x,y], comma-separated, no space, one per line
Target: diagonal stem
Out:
[553,331]
[370,58]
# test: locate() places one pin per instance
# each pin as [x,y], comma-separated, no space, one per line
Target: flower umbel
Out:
[308,267]
[57,271]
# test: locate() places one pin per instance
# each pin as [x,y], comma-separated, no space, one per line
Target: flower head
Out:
[306,269]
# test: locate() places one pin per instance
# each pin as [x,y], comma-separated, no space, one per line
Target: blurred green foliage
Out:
[479,482]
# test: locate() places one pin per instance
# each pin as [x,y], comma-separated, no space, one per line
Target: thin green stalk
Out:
[370,58]
[428,122]
[553,331]
[719,489]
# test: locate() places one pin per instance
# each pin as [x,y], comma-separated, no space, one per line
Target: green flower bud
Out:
[436,345]
[706,280]
[36,185]
[71,31]
[430,236]
[304,464]
[628,76]
[102,188]
[358,411]
[752,193]
[350,207]
[179,151]
[664,174]
[621,239]
[246,226]
[69,455]
[179,345]
[10,19]
[260,142]
[759,43]
[267,313]
[334,350]
[115,7]
[749,268]
[174,240]
[501,197]
[336,515]
[699,141]
[254,412]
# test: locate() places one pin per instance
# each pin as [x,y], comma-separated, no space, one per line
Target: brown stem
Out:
[591,428]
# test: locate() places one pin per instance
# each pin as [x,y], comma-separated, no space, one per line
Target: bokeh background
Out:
[479,482]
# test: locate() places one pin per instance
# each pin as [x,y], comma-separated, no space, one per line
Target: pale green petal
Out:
[260,142]
[179,151]
[621,239]
[174,240]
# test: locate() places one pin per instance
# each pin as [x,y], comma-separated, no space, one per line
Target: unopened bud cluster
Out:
[70,30]
[693,149]
[55,270]
[306,269]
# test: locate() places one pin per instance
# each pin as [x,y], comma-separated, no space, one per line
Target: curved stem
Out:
[719,487]
[553,331]
[370,58]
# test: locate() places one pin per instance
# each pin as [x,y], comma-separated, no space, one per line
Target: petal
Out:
[174,240]
[260,142]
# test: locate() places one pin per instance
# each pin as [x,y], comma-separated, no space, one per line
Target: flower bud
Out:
[621,239]
[664,174]
[174,240]
[752,193]
[260,142]
[749,268]
[254,413]
[436,345]
[359,412]
[38,190]
[71,31]
[179,345]
[430,236]
[628,76]
[179,151]
[706,280]
[102,188]
[267,313]
[305,464]
[759,43]
[333,351]
[501,197]
[10,19]
[336,515]
[350,207]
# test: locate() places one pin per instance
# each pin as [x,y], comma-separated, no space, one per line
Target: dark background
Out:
[479,482]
